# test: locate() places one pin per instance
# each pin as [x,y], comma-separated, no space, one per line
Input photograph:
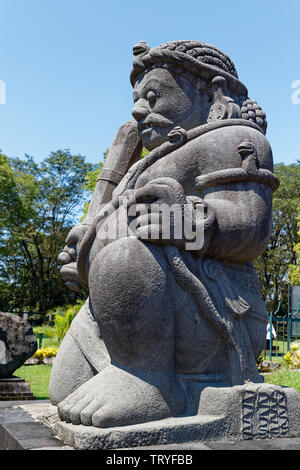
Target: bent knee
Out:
[123,250]
[129,262]
[130,253]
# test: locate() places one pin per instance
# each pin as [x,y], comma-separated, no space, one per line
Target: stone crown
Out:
[201,59]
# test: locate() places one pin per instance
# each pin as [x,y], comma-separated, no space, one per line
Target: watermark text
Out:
[296,94]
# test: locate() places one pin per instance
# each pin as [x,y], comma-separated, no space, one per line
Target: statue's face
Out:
[164,100]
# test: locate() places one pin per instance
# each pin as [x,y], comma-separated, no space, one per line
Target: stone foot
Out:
[115,397]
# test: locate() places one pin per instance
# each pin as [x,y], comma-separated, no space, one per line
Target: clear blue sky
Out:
[66,65]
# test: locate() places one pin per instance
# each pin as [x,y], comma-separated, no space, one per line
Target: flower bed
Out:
[42,356]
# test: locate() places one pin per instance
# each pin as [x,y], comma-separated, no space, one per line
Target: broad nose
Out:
[139,110]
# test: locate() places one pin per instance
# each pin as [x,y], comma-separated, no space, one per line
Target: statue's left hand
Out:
[160,213]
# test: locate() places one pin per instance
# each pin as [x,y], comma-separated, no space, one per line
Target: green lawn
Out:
[38,378]
[38,375]
[284,376]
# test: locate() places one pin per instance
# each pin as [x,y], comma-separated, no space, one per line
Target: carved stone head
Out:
[186,84]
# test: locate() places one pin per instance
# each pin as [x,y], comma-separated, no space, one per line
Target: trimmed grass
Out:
[38,378]
[284,376]
[38,375]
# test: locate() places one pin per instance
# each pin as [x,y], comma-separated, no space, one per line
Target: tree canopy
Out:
[39,205]
[294,271]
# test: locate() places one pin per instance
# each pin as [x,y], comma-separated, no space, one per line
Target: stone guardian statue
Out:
[170,309]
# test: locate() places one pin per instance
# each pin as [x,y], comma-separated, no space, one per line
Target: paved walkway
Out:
[19,429]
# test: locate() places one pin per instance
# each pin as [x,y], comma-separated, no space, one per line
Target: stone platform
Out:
[15,388]
[248,412]
[21,428]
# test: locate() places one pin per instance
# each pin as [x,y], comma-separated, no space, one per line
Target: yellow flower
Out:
[295,346]
[288,358]
[40,354]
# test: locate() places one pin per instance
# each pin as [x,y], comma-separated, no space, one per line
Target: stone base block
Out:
[252,411]
[20,428]
[15,388]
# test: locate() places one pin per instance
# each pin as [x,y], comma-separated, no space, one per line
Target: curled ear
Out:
[251,111]
[223,106]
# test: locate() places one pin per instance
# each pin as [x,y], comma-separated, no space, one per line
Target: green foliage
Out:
[294,269]
[90,179]
[63,317]
[10,199]
[144,152]
[40,203]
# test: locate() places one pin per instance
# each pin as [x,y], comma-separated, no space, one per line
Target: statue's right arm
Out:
[124,152]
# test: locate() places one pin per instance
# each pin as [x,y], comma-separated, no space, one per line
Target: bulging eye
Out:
[151,97]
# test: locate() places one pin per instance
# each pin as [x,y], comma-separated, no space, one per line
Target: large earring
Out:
[223,106]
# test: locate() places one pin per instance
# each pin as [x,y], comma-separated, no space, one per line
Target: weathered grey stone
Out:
[15,388]
[20,428]
[173,321]
[250,412]
[25,434]
[17,343]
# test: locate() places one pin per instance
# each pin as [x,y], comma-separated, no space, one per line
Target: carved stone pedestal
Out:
[252,411]
[15,388]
